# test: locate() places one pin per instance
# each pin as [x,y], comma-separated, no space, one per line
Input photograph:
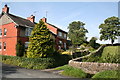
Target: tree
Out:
[92,42]
[110,29]
[77,33]
[20,49]
[41,43]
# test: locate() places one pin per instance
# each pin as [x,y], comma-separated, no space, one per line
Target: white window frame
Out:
[28,31]
[4,46]
[65,35]
[26,44]
[0,46]
[0,32]
[5,31]
[65,46]
[60,34]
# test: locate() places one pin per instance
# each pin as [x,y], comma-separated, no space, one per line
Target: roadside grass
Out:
[72,72]
[108,74]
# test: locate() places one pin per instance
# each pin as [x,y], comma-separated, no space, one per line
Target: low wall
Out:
[93,67]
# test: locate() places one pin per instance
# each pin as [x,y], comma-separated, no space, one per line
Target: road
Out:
[17,72]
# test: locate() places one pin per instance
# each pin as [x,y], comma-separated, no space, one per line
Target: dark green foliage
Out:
[30,63]
[41,44]
[109,74]
[77,33]
[37,63]
[20,49]
[110,29]
[93,43]
[61,59]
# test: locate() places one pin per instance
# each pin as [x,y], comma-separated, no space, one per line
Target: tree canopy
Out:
[77,32]
[41,43]
[110,29]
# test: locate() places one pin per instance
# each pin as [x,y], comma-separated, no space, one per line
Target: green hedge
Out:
[30,63]
[36,63]
[108,74]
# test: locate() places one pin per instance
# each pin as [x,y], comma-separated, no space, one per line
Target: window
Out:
[26,44]
[0,32]
[0,45]
[59,33]
[4,45]
[65,45]
[65,35]
[5,31]
[28,31]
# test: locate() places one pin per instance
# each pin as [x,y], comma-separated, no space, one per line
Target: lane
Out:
[17,72]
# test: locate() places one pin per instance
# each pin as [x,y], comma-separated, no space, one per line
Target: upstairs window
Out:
[4,45]
[60,34]
[65,35]
[0,32]
[26,44]
[5,31]
[0,45]
[28,31]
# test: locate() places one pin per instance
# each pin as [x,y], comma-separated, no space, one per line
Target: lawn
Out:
[112,50]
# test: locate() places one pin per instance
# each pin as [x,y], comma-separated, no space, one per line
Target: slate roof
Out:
[57,27]
[20,21]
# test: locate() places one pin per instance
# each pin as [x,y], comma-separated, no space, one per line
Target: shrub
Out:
[20,49]
[41,42]
[61,59]
[111,58]
[108,74]
[30,63]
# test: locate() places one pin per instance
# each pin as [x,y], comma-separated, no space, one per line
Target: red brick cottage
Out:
[14,28]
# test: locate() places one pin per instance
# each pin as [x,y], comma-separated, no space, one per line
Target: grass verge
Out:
[108,74]
[73,72]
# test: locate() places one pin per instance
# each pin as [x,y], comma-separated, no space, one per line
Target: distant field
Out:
[112,50]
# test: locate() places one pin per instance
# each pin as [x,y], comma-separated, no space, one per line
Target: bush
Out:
[61,59]
[20,49]
[30,63]
[111,58]
[111,54]
[108,74]
[55,60]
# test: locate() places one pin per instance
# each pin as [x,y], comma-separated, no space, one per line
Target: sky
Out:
[61,14]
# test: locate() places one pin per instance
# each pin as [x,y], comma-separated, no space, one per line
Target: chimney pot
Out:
[31,18]
[5,9]
[44,19]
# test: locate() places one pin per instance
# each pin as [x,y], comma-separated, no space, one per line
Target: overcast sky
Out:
[61,14]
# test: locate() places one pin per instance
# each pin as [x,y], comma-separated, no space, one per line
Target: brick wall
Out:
[10,39]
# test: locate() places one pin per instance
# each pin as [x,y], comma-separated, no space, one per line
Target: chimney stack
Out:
[5,9]
[31,18]
[44,19]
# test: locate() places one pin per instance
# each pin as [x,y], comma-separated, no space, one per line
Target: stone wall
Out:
[93,67]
